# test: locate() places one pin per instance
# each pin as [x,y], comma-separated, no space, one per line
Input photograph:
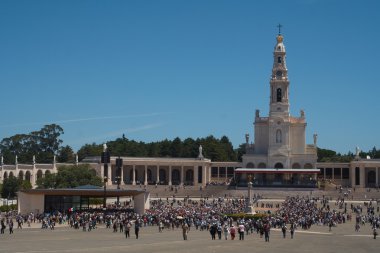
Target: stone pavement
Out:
[64,239]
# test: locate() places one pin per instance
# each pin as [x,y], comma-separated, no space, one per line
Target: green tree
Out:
[43,144]
[90,150]
[176,148]
[11,185]
[66,154]
[70,177]
[240,151]
[189,148]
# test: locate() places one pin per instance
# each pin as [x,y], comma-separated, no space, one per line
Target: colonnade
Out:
[168,171]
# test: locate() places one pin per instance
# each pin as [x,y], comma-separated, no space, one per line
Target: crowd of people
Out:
[213,215]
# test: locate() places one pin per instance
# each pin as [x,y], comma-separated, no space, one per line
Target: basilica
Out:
[278,156]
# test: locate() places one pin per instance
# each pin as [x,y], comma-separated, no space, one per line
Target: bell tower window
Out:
[279,95]
[278,136]
[279,59]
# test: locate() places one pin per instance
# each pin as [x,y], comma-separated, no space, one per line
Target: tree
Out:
[43,144]
[70,177]
[176,148]
[11,185]
[90,150]
[240,151]
[66,154]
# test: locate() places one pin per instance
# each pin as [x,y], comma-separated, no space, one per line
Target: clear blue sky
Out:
[162,69]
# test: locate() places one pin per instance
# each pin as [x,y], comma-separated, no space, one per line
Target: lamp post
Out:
[119,166]
[105,159]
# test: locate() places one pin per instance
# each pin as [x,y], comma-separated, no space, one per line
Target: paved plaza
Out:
[64,239]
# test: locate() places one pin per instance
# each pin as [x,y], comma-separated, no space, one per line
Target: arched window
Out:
[278,166]
[308,166]
[27,176]
[296,166]
[21,175]
[262,165]
[279,59]
[279,95]
[250,165]
[278,136]
[39,174]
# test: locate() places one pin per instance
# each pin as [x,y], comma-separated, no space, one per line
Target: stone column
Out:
[226,172]
[324,173]
[352,176]
[218,174]
[133,174]
[170,175]
[204,170]
[332,173]
[182,175]
[195,175]
[341,173]
[377,177]
[33,176]
[362,176]
[109,176]
[146,175]
[158,174]
[122,176]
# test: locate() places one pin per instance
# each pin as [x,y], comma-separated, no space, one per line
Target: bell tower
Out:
[279,82]
[279,140]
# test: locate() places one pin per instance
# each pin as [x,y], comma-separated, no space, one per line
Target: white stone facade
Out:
[279,140]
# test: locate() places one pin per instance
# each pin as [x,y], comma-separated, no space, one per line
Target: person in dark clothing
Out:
[137,229]
[283,229]
[11,226]
[292,228]
[213,231]
[2,226]
[266,231]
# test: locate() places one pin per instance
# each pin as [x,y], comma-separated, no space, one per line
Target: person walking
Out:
[266,231]
[10,226]
[241,231]
[2,226]
[226,231]
[219,230]
[127,229]
[283,229]
[232,232]
[137,229]
[185,230]
[213,229]
[292,228]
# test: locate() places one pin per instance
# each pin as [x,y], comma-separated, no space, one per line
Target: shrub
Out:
[8,208]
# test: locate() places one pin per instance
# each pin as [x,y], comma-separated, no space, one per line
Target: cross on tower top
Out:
[279,28]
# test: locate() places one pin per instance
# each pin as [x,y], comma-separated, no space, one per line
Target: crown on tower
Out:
[280,38]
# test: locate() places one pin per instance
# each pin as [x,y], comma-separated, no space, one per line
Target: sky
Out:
[160,69]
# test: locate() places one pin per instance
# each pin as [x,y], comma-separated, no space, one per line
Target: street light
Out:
[105,159]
